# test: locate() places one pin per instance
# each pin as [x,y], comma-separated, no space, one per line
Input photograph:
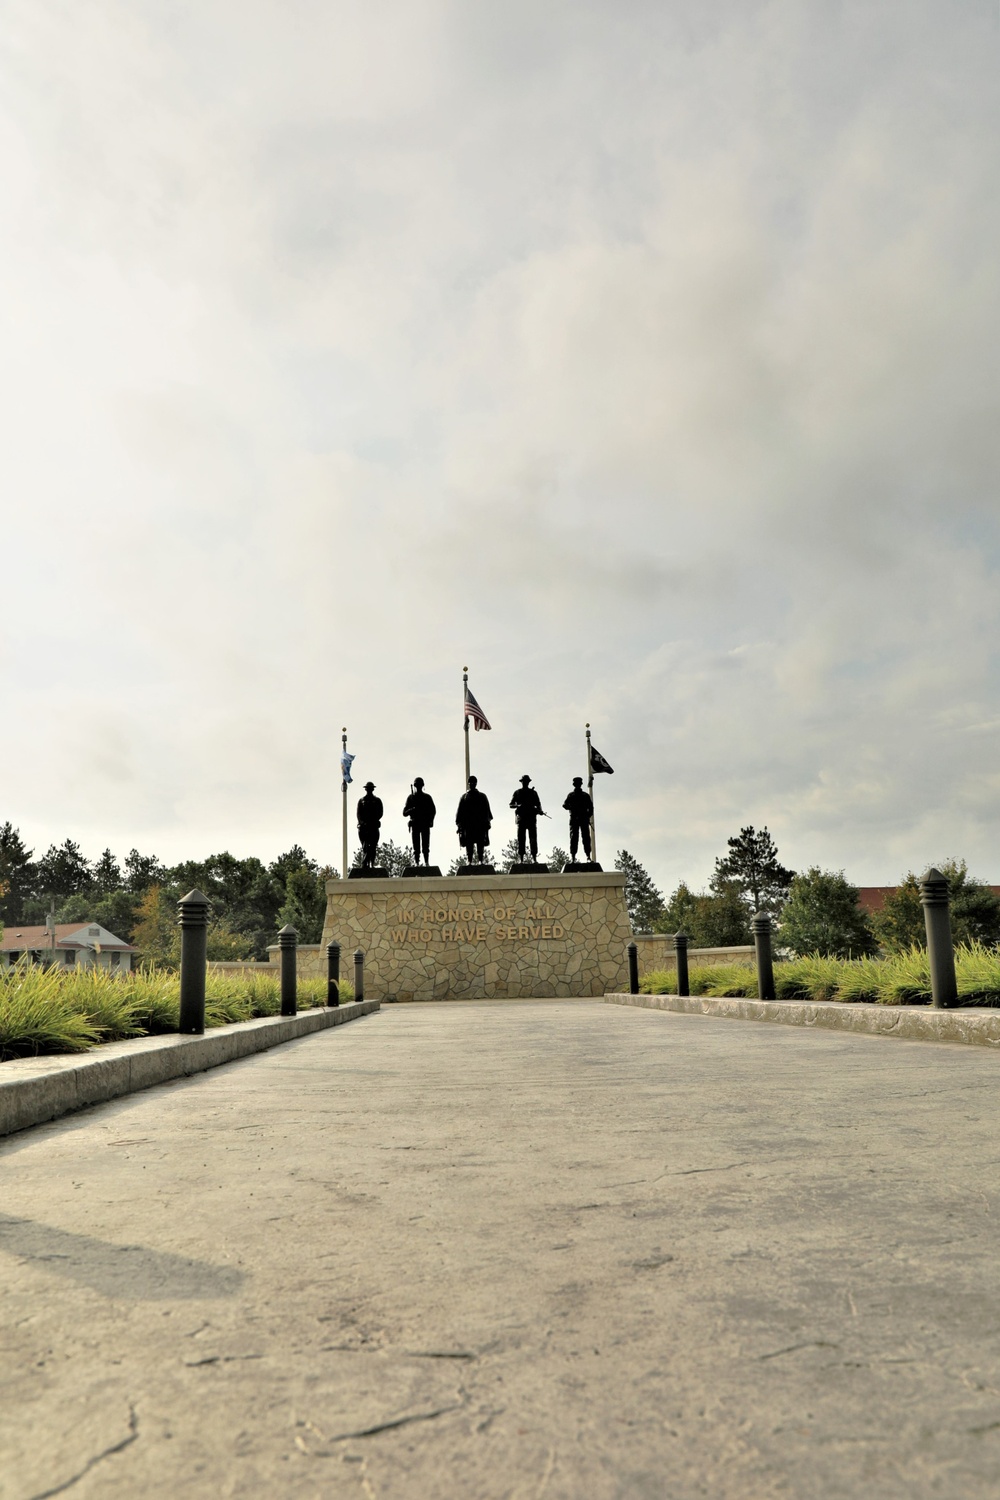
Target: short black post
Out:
[359,974]
[287,942]
[333,973]
[193,917]
[936,900]
[681,949]
[761,925]
[633,969]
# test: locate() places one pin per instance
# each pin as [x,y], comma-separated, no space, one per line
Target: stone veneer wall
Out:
[478,937]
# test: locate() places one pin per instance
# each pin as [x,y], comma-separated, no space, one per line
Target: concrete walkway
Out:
[529,1250]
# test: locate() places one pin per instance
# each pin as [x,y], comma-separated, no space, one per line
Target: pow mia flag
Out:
[598,763]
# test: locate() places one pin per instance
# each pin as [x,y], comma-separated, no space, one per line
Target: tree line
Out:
[815,911]
[137,898]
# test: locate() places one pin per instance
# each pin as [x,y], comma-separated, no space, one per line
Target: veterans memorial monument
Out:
[478,934]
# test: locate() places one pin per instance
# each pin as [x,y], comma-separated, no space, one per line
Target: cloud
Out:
[641,357]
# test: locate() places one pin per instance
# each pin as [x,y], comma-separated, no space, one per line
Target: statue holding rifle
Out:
[527,810]
[420,810]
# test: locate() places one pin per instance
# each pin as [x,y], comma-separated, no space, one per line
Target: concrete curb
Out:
[36,1089]
[915,1023]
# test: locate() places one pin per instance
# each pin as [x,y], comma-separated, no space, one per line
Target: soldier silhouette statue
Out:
[473,820]
[420,810]
[369,825]
[581,810]
[527,810]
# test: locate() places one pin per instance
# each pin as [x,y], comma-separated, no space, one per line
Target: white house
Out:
[74,944]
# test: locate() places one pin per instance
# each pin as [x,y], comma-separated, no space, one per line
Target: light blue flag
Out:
[345,767]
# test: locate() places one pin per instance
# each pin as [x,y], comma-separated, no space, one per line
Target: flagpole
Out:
[590,789]
[343,788]
[465,689]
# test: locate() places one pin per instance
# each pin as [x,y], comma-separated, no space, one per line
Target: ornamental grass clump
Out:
[977,969]
[859,980]
[112,1003]
[898,979]
[732,979]
[703,979]
[905,979]
[37,1014]
[46,1010]
[812,978]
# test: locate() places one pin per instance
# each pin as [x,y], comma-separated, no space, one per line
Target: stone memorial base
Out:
[415,871]
[378,873]
[484,936]
[586,866]
[476,870]
[529,869]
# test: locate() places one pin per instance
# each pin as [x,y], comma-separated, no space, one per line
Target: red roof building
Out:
[67,943]
[872,898]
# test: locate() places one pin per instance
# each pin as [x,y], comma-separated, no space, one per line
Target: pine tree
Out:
[752,866]
[643,900]
[144,870]
[106,875]
[16,871]
[63,871]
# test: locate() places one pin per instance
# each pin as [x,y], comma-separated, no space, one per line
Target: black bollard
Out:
[761,926]
[633,969]
[681,949]
[193,917]
[359,974]
[936,900]
[287,942]
[333,973]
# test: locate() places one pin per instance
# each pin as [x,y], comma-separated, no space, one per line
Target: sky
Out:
[641,355]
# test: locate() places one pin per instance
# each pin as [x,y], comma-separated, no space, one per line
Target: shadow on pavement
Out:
[125,1272]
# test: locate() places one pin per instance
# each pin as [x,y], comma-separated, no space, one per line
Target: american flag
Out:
[474,712]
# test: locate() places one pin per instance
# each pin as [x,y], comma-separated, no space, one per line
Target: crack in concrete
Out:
[377,1427]
[440,1354]
[133,1433]
[793,1348]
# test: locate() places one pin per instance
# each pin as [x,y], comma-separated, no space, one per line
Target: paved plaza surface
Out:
[532,1250]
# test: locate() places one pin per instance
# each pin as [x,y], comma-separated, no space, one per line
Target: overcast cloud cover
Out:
[642,355]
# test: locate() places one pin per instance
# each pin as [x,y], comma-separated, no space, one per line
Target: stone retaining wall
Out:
[310,961]
[656,951]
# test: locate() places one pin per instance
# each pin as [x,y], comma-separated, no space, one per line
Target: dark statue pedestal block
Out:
[529,869]
[378,872]
[587,867]
[419,871]
[475,870]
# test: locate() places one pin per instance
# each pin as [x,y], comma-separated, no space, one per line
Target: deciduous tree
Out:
[975,911]
[822,915]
